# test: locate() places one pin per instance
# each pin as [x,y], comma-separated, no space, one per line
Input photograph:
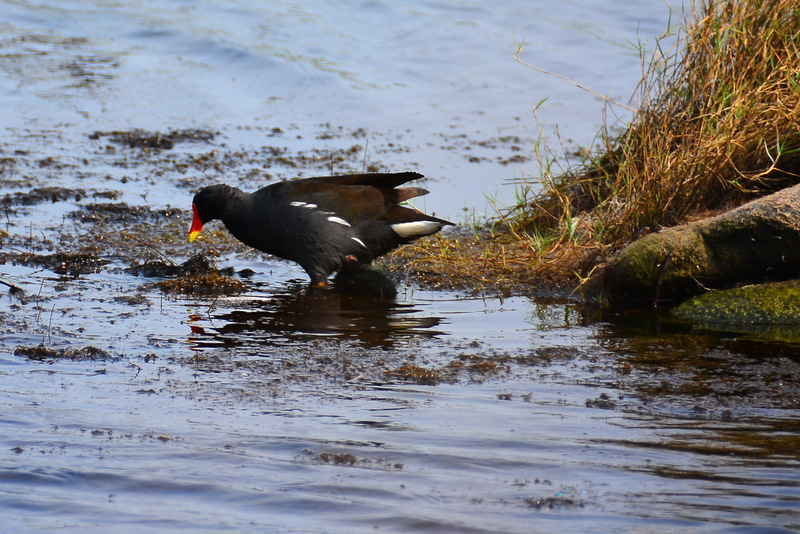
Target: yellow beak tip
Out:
[193,235]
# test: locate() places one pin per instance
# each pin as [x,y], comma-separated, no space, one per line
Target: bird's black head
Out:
[212,202]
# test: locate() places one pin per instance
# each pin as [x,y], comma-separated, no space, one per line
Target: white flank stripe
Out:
[298,204]
[357,240]
[338,220]
[416,228]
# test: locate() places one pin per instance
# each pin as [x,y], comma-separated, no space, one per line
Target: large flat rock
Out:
[756,242]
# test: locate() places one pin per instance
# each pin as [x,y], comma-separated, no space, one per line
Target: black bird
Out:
[323,223]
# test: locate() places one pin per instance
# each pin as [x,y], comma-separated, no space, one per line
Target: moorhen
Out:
[322,223]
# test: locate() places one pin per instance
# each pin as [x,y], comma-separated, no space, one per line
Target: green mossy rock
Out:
[756,242]
[668,265]
[775,303]
[766,311]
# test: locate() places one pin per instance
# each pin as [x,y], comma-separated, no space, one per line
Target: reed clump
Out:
[717,123]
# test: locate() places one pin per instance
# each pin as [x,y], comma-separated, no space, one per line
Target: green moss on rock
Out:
[663,266]
[755,242]
[763,304]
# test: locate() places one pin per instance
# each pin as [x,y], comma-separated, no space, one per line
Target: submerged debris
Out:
[603,402]
[415,373]
[42,353]
[12,288]
[554,503]
[84,261]
[197,265]
[121,212]
[196,276]
[347,459]
[214,284]
[143,139]
[39,195]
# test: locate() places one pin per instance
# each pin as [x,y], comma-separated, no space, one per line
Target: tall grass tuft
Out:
[717,123]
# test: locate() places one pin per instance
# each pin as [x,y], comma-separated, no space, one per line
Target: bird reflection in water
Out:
[305,312]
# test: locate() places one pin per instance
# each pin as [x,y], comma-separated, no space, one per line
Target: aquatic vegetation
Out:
[415,374]
[43,353]
[149,140]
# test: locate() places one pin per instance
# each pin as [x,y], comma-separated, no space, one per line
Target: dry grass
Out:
[491,262]
[718,122]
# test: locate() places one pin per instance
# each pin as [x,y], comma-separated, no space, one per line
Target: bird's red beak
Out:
[197,225]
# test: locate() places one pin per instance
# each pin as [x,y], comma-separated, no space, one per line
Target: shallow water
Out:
[230,418]
[283,408]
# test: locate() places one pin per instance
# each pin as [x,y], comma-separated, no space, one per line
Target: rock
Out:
[771,308]
[756,242]
[771,303]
